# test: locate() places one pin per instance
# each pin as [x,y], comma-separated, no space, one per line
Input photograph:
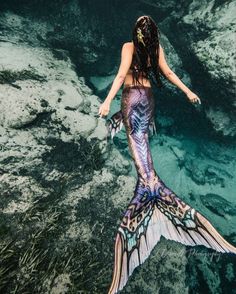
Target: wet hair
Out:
[146,44]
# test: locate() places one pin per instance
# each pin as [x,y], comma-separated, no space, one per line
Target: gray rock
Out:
[214,25]
[59,180]
[218,205]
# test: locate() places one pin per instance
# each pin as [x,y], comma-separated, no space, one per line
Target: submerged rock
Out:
[64,187]
[218,205]
[213,26]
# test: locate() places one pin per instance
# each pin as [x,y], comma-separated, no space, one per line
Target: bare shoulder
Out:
[128,46]
[160,48]
[161,53]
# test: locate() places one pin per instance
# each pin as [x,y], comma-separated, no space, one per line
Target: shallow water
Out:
[203,175]
[62,198]
[201,170]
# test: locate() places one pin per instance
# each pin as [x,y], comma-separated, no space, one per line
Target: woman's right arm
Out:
[173,78]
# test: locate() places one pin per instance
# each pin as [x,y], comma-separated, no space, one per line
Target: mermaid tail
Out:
[154,210]
[151,215]
[115,124]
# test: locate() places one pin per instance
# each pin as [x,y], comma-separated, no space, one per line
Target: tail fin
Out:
[115,124]
[153,213]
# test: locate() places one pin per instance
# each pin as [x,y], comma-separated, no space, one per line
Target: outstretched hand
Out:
[193,98]
[104,109]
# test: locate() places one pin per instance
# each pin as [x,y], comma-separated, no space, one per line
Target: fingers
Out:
[102,111]
[101,114]
[196,99]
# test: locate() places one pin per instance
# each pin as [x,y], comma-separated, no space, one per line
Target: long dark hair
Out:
[146,44]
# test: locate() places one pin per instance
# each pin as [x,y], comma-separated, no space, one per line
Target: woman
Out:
[154,209]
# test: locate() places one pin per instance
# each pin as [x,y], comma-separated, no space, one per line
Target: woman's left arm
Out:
[126,59]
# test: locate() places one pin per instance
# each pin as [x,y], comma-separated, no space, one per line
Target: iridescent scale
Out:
[154,210]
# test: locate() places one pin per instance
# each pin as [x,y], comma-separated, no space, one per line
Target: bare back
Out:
[128,79]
